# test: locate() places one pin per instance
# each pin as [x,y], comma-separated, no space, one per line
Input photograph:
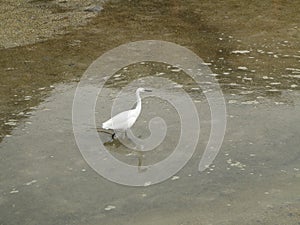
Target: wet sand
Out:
[44,179]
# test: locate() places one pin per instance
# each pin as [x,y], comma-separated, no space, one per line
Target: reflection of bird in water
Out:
[125,120]
[132,153]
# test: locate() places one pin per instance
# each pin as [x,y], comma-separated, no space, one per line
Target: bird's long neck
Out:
[139,103]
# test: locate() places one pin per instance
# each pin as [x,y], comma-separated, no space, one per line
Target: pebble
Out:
[242,68]
[247,78]
[176,70]
[109,207]
[250,102]
[31,182]
[117,75]
[240,52]
[94,9]
[11,123]
[10,68]
[178,86]
[175,178]
[27,98]
[236,164]
[275,83]
[206,64]
[293,69]
[14,191]
[294,76]
[273,90]
[279,103]
[246,92]
[148,183]
[267,78]
[232,101]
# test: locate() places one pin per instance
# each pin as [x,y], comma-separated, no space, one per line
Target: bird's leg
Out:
[113,136]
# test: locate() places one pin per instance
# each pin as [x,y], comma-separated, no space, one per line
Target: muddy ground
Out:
[252,47]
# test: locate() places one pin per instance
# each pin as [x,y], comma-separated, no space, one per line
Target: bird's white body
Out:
[125,120]
[121,121]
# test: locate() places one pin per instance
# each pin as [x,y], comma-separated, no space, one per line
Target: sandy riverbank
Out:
[31,21]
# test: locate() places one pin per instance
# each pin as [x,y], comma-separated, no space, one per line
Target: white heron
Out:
[125,120]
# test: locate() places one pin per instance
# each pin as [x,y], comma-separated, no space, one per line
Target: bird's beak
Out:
[147,90]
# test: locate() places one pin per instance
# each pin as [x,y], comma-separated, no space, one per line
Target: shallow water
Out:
[255,177]
[253,49]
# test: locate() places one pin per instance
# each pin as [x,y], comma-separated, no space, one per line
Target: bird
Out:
[125,120]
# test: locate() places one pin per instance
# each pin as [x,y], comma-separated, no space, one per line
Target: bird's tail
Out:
[105,125]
